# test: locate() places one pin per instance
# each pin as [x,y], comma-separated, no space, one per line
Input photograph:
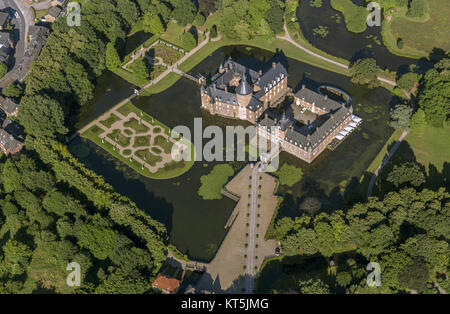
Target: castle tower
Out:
[244,92]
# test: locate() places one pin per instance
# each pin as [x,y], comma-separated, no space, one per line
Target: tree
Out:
[12,91]
[400,117]
[289,174]
[188,41]
[418,122]
[407,81]
[265,30]
[365,71]
[140,69]
[112,57]
[42,116]
[343,279]
[98,237]
[275,18]
[311,205]
[434,93]
[152,24]
[313,286]
[3,69]
[184,12]
[414,276]
[17,256]
[199,19]
[407,173]
[417,8]
[213,32]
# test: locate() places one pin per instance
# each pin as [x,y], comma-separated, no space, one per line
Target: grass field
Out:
[419,37]
[431,147]
[383,152]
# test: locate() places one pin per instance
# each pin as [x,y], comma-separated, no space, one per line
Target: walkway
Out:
[288,38]
[384,162]
[251,272]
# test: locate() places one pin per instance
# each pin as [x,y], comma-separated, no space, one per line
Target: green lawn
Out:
[433,31]
[172,34]
[134,124]
[383,152]
[110,120]
[163,143]
[117,136]
[355,16]
[142,141]
[148,157]
[431,147]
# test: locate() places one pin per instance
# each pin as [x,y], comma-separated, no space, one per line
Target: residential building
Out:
[6,46]
[8,144]
[9,106]
[241,93]
[4,20]
[52,14]
[166,284]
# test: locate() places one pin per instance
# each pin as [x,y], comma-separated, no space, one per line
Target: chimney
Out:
[266,115]
[274,65]
[226,88]
[326,96]
[303,86]
[276,120]
[291,127]
[260,73]
[332,116]
[308,137]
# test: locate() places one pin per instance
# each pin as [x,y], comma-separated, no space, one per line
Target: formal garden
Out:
[141,142]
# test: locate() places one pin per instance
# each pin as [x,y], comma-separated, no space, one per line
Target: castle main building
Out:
[242,93]
[314,122]
[304,130]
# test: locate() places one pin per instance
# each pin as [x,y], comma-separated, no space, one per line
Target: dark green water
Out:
[344,44]
[195,225]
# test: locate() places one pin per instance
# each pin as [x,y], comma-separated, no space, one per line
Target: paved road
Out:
[251,273]
[288,38]
[22,20]
[384,162]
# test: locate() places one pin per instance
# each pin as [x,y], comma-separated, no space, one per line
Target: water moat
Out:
[196,226]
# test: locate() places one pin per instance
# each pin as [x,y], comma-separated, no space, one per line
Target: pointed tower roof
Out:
[244,87]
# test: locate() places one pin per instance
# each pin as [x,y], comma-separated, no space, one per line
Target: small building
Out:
[6,46]
[36,32]
[4,20]
[9,106]
[52,14]
[8,144]
[165,284]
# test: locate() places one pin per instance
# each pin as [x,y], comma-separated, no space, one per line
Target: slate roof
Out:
[8,105]
[318,100]
[299,135]
[8,141]
[271,77]
[244,87]
[54,11]
[4,17]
